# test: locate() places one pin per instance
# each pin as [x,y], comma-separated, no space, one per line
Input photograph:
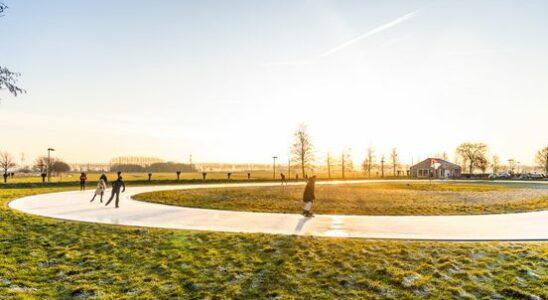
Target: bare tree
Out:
[394,157]
[382,166]
[369,160]
[542,159]
[474,154]
[329,162]
[302,150]
[346,162]
[6,163]
[495,163]
[41,163]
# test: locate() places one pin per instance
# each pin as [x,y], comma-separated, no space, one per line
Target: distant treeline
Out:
[155,167]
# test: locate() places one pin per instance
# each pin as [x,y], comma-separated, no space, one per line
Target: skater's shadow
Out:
[300,225]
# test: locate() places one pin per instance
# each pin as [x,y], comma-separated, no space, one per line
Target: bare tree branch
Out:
[8,80]
[3,8]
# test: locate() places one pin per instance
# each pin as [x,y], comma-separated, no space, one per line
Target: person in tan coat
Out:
[100,190]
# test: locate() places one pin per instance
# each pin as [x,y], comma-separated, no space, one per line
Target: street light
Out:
[274,167]
[49,163]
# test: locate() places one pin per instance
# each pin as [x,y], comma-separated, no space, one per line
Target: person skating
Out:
[103,177]
[100,190]
[83,179]
[116,185]
[309,196]
[282,178]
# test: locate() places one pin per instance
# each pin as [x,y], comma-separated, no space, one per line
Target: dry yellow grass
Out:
[417,198]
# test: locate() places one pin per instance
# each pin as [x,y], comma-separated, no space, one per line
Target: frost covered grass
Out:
[45,258]
[398,198]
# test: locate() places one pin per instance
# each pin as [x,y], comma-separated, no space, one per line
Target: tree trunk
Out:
[302,158]
[302,164]
[471,166]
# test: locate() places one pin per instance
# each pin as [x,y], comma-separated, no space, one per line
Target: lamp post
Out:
[274,167]
[49,163]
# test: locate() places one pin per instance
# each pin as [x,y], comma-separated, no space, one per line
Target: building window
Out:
[423,173]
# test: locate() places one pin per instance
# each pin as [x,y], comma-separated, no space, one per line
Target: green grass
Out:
[44,258]
[416,198]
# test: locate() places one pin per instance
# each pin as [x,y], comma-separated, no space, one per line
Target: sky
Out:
[230,81]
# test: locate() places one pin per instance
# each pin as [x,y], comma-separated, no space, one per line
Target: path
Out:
[75,206]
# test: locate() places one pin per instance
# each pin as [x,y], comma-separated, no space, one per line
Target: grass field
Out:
[416,198]
[45,258]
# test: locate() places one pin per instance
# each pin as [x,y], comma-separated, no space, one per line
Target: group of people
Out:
[117,186]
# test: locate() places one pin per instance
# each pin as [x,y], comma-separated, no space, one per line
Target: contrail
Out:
[371,32]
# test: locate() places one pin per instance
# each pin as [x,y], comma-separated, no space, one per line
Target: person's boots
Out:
[305,213]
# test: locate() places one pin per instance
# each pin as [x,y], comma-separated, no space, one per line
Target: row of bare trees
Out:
[8,163]
[472,156]
[303,157]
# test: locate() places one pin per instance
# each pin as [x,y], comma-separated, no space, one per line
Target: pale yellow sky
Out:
[232,86]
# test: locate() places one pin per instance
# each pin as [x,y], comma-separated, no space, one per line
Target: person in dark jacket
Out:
[309,196]
[83,178]
[282,178]
[103,177]
[116,185]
